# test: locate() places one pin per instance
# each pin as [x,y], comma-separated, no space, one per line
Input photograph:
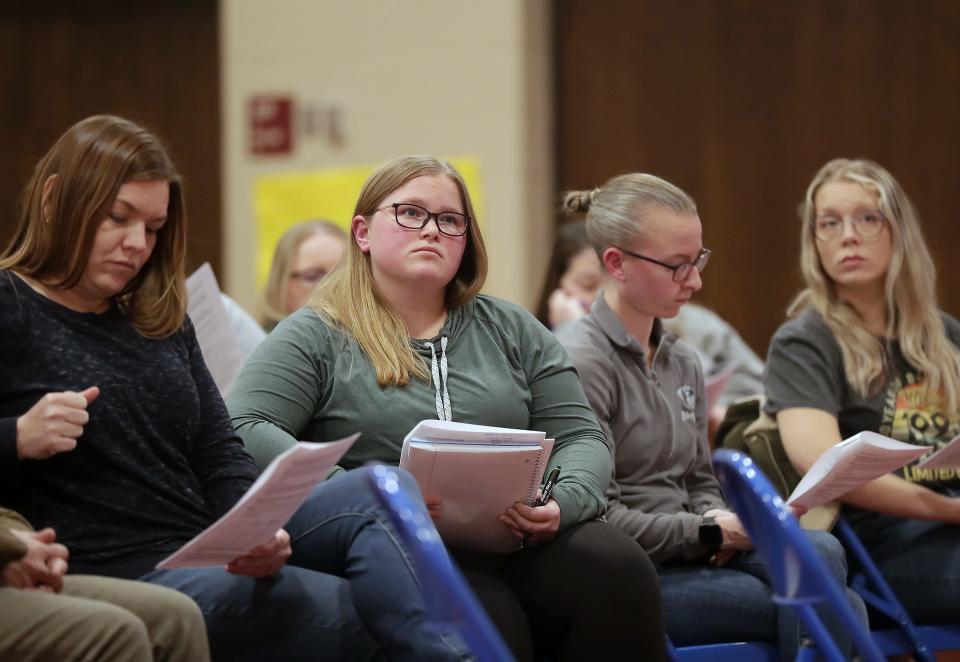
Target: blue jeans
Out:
[919,559]
[703,604]
[348,592]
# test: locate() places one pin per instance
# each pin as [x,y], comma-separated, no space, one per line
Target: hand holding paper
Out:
[249,537]
[479,473]
[265,560]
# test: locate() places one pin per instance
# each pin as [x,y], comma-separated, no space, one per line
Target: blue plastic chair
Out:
[451,603]
[906,637]
[797,575]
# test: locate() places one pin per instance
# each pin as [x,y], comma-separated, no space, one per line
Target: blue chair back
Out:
[797,575]
[451,603]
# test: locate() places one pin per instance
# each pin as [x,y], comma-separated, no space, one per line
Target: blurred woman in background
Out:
[305,253]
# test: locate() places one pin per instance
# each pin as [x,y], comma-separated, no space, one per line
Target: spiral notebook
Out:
[478,471]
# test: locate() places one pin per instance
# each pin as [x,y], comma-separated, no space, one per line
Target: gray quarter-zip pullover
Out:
[655,424]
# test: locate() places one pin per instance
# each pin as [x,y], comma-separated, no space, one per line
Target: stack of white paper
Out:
[478,472]
[851,463]
[212,325]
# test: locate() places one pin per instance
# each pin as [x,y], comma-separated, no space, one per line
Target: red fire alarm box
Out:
[271,125]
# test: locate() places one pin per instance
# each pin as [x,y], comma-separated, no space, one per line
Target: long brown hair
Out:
[571,239]
[348,295]
[86,167]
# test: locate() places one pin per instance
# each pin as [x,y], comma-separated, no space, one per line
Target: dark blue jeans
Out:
[349,591]
[919,559]
[703,604]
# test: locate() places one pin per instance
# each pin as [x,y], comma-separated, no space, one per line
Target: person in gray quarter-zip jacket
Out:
[646,387]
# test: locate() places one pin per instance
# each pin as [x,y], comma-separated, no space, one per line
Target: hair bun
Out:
[576,202]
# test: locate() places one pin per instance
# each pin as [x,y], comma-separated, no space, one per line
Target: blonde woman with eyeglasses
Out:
[867,348]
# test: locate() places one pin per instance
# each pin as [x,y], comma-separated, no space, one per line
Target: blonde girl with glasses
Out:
[400,334]
[646,387]
[868,348]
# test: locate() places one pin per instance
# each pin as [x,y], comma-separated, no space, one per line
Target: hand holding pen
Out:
[542,500]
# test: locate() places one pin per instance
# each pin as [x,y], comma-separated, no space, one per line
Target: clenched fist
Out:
[53,424]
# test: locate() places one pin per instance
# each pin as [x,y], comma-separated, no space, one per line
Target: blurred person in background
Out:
[867,347]
[304,254]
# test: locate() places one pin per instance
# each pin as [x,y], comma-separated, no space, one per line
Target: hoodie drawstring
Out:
[439,374]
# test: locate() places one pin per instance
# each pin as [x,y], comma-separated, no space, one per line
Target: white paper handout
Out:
[433,430]
[265,508]
[478,472]
[947,457]
[212,324]
[851,463]
[714,385]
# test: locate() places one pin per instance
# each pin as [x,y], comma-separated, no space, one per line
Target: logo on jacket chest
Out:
[688,400]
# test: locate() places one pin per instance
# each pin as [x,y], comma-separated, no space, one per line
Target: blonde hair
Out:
[348,296]
[615,211]
[273,301]
[88,164]
[913,316]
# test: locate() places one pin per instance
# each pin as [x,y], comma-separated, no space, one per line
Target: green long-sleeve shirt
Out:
[311,381]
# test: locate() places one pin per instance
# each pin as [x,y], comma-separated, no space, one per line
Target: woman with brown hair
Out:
[573,277]
[400,333]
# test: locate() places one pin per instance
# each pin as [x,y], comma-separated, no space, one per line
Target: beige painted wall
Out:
[443,77]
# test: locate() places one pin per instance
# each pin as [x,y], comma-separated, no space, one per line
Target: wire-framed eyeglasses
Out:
[681,272]
[415,217]
[867,223]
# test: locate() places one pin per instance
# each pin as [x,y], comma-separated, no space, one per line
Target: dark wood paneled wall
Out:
[154,62]
[739,102]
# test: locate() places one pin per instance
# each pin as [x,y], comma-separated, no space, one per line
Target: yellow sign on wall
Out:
[281,201]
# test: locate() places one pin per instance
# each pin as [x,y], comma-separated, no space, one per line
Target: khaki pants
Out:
[100,618]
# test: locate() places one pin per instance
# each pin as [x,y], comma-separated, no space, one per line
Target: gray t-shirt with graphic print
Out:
[805,369]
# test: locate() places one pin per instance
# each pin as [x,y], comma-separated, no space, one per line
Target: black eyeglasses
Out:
[415,217]
[680,271]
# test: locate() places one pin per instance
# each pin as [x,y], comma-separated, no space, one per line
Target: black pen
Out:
[545,493]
